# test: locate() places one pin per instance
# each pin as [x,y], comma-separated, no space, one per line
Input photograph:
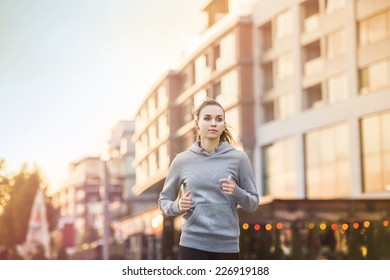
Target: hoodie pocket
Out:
[213,219]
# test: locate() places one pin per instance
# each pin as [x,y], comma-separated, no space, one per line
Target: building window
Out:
[376,152]
[163,126]
[228,89]
[283,24]
[266,36]
[162,97]
[284,66]
[335,44]
[375,76]
[216,54]
[199,97]
[285,105]
[328,162]
[332,6]
[217,90]
[374,29]
[310,15]
[151,106]
[313,97]
[313,61]
[227,52]
[232,117]
[202,69]
[80,195]
[187,77]
[268,76]
[142,118]
[164,156]
[281,107]
[279,169]
[269,111]
[153,134]
[187,108]
[337,89]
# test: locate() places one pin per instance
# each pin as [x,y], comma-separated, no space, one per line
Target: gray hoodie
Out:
[211,224]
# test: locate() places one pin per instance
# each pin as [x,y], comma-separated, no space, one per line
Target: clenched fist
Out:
[185,202]
[228,185]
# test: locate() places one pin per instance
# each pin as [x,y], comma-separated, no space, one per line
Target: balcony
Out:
[314,67]
[311,23]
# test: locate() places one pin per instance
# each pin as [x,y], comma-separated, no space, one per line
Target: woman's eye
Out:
[219,119]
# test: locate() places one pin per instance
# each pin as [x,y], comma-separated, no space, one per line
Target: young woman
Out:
[215,178]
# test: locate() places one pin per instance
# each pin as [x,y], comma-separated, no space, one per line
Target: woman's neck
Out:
[209,145]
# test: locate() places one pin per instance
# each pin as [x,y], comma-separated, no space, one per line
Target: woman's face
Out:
[211,122]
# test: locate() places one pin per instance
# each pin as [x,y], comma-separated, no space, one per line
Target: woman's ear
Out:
[196,125]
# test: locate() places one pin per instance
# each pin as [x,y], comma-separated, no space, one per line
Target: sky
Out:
[70,70]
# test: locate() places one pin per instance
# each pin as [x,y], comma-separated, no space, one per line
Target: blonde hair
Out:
[226,136]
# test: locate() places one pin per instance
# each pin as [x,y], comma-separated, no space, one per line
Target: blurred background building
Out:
[306,88]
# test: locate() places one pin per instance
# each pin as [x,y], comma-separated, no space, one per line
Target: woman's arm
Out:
[245,193]
[168,197]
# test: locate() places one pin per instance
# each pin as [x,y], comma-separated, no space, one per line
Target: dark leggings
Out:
[186,253]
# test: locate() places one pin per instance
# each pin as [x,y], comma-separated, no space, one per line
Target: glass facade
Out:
[374,29]
[284,66]
[375,76]
[335,44]
[327,162]
[337,88]
[283,26]
[279,169]
[375,135]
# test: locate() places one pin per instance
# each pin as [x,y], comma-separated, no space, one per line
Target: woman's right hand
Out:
[185,202]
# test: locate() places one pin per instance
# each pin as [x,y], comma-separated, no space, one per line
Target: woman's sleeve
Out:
[168,197]
[246,192]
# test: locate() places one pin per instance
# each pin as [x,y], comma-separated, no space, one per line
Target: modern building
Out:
[79,201]
[322,91]
[221,67]
[306,87]
[81,198]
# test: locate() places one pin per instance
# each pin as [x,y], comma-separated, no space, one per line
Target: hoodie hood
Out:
[222,148]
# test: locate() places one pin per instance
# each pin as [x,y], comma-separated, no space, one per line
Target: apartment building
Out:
[306,87]
[81,197]
[322,91]
[221,68]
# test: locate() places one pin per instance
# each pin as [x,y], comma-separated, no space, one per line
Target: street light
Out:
[104,192]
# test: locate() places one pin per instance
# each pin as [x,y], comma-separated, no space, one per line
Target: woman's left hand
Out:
[228,185]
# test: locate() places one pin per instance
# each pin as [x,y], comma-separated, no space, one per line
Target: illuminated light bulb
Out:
[385,223]
[268,227]
[245,226]
[257,227]
[366,224]
[345,227]
[363,249]
[322,226]
[333,227]
[312,226]
[355,225]
[279,225]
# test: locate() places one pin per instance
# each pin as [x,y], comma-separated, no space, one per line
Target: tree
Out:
[15,217]
[5,185]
